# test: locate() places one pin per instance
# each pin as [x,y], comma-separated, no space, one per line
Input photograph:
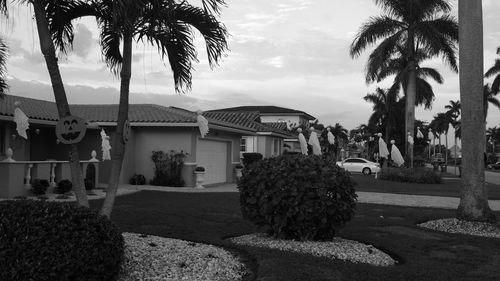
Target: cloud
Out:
[83,42]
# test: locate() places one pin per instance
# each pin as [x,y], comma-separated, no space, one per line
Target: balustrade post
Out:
[27,184]
[53,174]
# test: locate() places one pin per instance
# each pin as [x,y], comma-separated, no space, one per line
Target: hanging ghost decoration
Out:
[314,142]
[105,146]
[330,136]
[202,123]
[21,120]
[302,141]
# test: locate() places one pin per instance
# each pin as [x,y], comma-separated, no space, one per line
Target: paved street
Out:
[490,177]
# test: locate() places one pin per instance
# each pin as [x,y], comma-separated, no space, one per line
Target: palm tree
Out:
[165,24]
[415,24]
[378,70]
[3,68]
[474,196]
[454,113]
[489,96]
[495,70]
[45,14]
[385,109]
[341,137]
[493,135]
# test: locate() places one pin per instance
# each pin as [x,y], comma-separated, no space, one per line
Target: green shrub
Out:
[138,179]
[39,187]
[48,241]
[64,186]
[168,168]
[297,197]
[415,175]
[251,157]
[89,184]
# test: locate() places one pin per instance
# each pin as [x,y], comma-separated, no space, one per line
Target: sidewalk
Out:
[363,197]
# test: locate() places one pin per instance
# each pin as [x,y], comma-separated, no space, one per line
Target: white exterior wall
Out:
[152,139]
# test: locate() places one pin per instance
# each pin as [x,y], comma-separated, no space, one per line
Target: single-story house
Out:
[153,127]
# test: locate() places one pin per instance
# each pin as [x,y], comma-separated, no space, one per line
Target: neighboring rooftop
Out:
[269,110]
[246,119]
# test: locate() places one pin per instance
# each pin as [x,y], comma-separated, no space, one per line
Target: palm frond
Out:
[373,30]
[212,30]
[439,37]
[495,87]
[173,39]
[60,16]
[4,52]
[110,39]
[425,94]
[213,6]
[424,72]
[495,69]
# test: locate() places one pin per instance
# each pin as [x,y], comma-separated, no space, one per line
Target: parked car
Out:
[359,165]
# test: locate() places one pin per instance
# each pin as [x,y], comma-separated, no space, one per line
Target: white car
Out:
[359,165]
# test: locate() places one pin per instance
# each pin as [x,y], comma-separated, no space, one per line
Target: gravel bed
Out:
[454,225]
[157,258]
[339,248]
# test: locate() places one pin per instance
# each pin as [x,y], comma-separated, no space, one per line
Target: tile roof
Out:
[277,125]
[269,109]
[46,110]
[138,113]
[245,118]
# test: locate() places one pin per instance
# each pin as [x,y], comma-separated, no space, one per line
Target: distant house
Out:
[153,127]
[279,118]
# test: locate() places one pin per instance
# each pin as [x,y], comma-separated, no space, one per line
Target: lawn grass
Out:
[213,217]
[449,188]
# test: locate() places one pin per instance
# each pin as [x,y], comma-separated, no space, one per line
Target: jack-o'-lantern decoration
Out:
[71,129]
[126,131]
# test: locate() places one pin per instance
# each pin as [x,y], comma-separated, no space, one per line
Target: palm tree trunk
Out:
[411,93]
[474,197]
[48,50]
[119,143]
[446,152]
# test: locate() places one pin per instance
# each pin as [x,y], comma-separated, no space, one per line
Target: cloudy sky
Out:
[290,53]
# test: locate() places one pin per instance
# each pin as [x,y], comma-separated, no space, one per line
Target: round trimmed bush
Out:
[297,196]
[48,241]
[39,187]
[64,186]
[137,179]
[251,157]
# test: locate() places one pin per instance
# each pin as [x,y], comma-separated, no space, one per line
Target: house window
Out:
[276,146]
[248,144]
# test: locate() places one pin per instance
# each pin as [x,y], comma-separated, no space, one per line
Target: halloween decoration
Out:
[302,141]
[202,124]
[396,154]
[314,142]
[21,121]
[382,147]
[71,129]
[126,131]
[105,146]
[330,136]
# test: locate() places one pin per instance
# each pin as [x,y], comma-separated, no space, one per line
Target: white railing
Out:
[16,176]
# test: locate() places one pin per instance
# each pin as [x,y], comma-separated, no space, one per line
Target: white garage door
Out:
[213,156]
